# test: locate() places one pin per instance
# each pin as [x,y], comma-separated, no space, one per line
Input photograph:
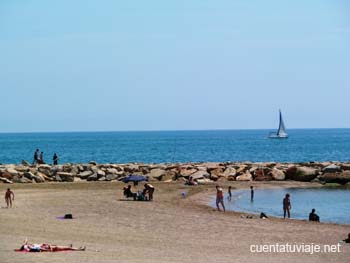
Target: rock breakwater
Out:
[324,172]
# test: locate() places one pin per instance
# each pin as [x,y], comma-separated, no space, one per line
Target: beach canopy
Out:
[135,179]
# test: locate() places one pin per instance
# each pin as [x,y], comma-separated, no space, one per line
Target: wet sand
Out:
[169,229]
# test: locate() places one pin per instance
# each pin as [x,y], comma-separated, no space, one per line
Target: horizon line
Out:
[166,130]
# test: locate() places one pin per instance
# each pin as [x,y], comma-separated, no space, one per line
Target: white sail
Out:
[281,132]
[281,129]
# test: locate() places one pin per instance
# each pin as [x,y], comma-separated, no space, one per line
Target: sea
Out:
[303,145]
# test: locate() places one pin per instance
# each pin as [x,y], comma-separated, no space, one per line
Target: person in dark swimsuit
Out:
[313,216]
[128,193]
[55,159]
[229,193]
[286,206]
[251,193]
[36,156]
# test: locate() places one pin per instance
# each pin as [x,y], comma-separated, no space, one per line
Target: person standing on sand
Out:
[229,193]
[36,156]
[286,206]
[219,198]
[55,159]
[149,189]
[9,197]
[251,193]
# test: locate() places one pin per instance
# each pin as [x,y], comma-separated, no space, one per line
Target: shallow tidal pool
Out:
[331,204]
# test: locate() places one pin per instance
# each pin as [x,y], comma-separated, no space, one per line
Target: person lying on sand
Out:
[44,247]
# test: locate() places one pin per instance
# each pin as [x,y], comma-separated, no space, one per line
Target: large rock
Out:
[331,169]
[6,175]
[214,177]
[156,173]
[29,175]
[25,163]
[12,171]
[67,168]
[43,176]
[241,168]
[22,169]
[204,181]
[100,173]
[230,172]
[262,174]
[84,175]
[111,177]
[112,171]
[66,177]
[211,166]
[185,172]
[340,178]
[168,176]
[132,168]
[45,169]
[38,178]
[75,169]
[217,172]
[200,175]
[301,173]
[93,177]
[247,176]
[24,180]
[5,180]
[277,175]
[345,167]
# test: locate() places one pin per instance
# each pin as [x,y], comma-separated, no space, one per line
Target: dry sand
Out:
[169,229]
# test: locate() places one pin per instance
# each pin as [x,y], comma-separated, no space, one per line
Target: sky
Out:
[173,65]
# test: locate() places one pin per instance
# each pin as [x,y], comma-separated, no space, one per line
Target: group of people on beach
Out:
[145,195]
[148,195]
[39,158]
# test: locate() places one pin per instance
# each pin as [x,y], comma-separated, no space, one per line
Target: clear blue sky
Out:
[166,65]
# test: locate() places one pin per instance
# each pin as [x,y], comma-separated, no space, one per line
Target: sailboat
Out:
[281,132]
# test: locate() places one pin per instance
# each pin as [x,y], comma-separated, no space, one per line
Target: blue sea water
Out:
[178,146]
[331,204]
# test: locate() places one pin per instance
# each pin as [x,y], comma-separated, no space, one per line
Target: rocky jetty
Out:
[324,172]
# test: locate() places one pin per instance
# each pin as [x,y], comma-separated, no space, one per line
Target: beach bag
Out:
[68,216]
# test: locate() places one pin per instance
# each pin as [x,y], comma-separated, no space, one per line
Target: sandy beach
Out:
[169,229]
